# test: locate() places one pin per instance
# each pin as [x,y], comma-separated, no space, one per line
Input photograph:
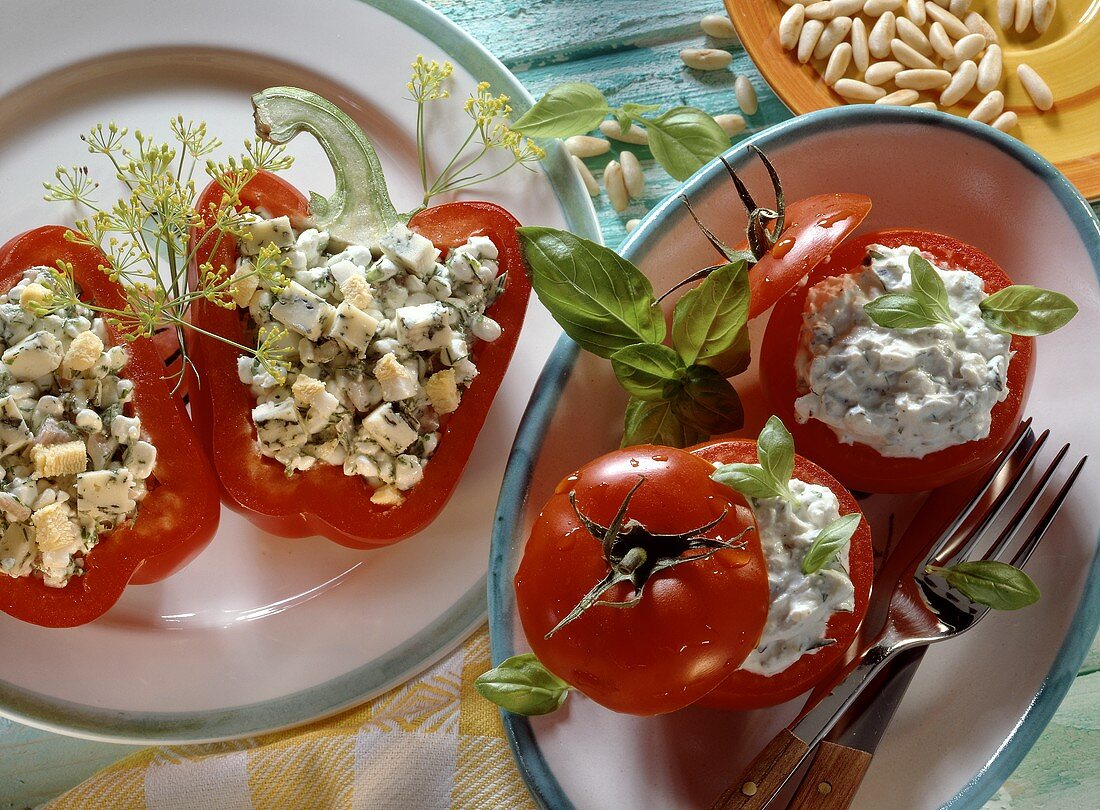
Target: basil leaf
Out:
[748,479]
[1025,310]
[708,403]
[655,423]
[775,449]
[829,542]
[568,109]
[900,312]
[647,370]
[522,685]
[988,582]
[632,109]
[683,139]
[708,323]
[601,300]
[928,287]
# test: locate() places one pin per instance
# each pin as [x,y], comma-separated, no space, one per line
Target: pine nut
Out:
[746,95]
[731,123]
[1033,83]
[835,33]
[585,146]
[633,178]
[838,64]
[820,11]
[882,34]
[988,108]
[854,90]
[882,72]
[847,8]
[909,57]
[913,37]
[923,79]
[876,8]
[790,26]
[1042,13]
[635,134]
[615,186]
[959,7]
[914,10]
[706,58]
[1006,121]
[1022,16]
[631,224]
[861,55]
[807,40]
[925,105]
[941,43]
[976,24]
[718,26]
[899,98]
[968,47]
[990,69]
[949,21]
[1006,13]
[590,184]
[961,84]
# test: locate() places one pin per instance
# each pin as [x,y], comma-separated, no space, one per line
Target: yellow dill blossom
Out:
[428,79]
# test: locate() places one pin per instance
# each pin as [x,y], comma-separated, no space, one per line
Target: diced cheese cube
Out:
[89,420]
[14,432]
[396,380]
[306,389]
[105,497]
[126,428]
[411,250]
[84,352]
[387,495]
[317,280]
[33,295]
[408,472]
[442,391]
[425,326]
[481,246]
[17,550]
[140,459]
[243,284]
[357,292]
[301,310]
[312,243]
[53,529]
[358,254]
[353,328]
[321,412]
[259,232]
[343,270]
[53,460]
[389,429]
[36,355]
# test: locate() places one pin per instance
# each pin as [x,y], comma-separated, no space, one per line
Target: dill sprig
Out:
[491,117]
[146,233]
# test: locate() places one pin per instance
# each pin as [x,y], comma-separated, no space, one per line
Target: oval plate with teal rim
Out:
[978,703]
[261,633]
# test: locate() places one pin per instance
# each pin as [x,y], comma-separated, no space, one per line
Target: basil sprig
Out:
[679,394]
[988,582]
[771,477]
[681,139]
[522,685]
[829,542]
[1019,309]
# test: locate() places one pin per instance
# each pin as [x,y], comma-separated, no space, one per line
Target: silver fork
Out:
[922,610]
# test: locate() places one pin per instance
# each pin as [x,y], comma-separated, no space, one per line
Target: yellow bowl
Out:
[1067,56]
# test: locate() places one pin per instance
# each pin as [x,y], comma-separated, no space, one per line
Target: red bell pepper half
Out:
[323,500]
[180,513]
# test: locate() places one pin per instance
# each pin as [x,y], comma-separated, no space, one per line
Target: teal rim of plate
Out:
[415,654]
[540,780]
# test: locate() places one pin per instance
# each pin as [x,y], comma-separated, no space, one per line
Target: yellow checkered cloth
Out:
[431,743]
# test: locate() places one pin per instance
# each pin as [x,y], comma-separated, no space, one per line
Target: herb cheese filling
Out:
[378,340]
[801,604]
[73,464]
[904,392]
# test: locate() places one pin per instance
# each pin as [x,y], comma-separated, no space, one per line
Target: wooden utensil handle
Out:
[833,778]
[765,775]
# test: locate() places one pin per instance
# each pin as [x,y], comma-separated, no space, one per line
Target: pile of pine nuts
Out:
[905,52]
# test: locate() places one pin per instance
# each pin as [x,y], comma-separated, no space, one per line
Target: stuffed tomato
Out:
[105,482]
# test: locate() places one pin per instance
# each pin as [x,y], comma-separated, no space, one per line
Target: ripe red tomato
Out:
[748,690]
[858,466]
[695,621]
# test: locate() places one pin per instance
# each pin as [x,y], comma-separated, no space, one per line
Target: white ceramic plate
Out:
[259,632]
[976,704]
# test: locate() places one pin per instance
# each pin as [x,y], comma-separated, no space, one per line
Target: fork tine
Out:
[1013,526]
[1024,554]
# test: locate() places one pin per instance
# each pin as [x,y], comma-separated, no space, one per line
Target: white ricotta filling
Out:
[801,605]
[379,340]
[904,392]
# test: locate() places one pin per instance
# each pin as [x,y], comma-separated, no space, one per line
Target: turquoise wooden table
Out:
[630,50]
